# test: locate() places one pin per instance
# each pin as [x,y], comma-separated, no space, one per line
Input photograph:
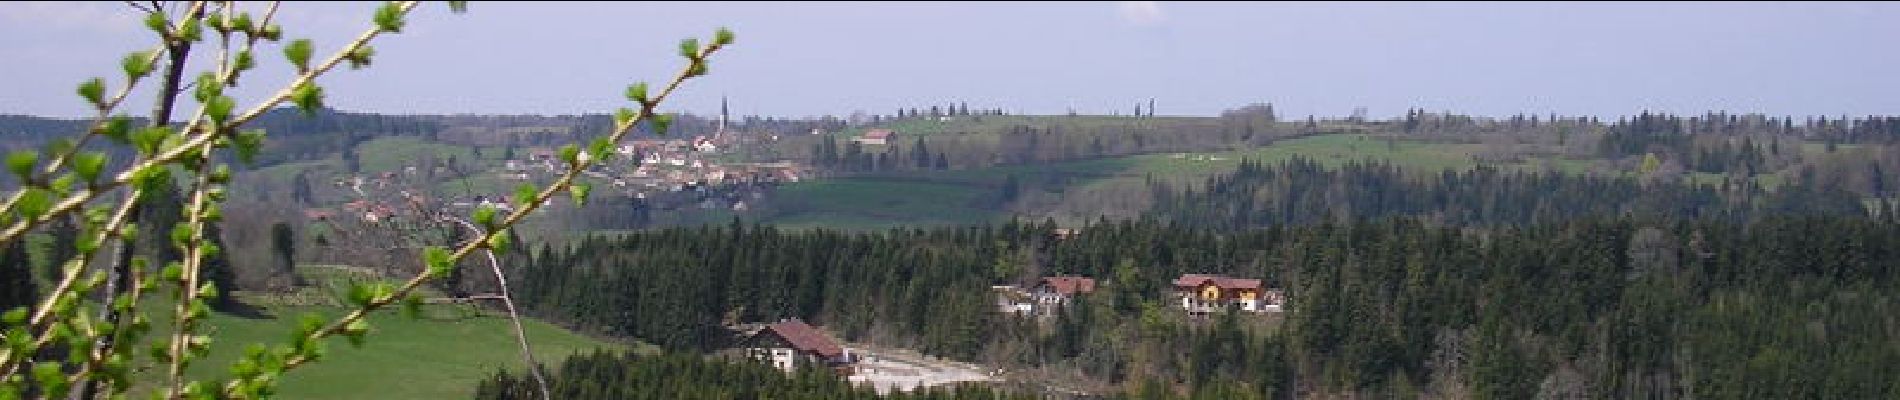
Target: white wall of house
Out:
[781,357]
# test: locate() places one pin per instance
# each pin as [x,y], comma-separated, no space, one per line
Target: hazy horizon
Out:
[808,59]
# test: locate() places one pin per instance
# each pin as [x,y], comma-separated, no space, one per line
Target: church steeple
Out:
[725,113]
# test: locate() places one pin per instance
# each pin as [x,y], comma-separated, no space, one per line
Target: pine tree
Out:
[16,277]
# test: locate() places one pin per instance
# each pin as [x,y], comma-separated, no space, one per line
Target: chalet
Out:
[876,136]
[1014,300]
[1201,293]
[790,342]
[1057,290]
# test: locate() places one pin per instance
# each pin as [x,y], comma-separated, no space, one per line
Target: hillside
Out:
[438,354]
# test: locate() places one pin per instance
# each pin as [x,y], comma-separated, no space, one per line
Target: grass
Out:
[391,153]
[439,354]
[869,203]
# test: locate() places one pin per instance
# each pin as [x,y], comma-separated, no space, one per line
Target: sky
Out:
[835,58]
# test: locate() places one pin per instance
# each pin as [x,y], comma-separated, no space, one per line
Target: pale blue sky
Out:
[804,59]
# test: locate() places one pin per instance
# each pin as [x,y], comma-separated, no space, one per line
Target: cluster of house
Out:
[790,343]
[664,165]
[1194,293]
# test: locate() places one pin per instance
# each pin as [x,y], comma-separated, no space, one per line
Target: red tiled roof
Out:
[1069,285]
[1196,280]
[805,338]
[878,134]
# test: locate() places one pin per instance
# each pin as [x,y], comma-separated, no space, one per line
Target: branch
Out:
[507,300]
[694,68]
[197,141]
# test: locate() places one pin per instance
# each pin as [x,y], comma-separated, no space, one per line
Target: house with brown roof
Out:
[875,136]
[1204,293]
[790,342]
[1057,290]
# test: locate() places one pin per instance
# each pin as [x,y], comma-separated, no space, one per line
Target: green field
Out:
[438,354]
[863,203]
[964,196]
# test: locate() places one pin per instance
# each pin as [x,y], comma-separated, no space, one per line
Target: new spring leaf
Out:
[298,51]
[389,17]
[437,259]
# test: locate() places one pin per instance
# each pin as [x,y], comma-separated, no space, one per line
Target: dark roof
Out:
[1195,280]
[1069,285]
[805,338]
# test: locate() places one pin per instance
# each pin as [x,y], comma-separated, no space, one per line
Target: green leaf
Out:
[88,164]
[722,37]
[219,108]
[602,148]
[217,24]
[242,23]
[118,128]
[308,98]
[458,7]
[34,202]
[689,48]
[94,91]
[157,23]
[138,64]
[15,316]
[244,61]
[485,216]
[208,291]
[63,185]
[52,382]
[190,32]
[355,331]
[637,92]
[208,87]
[247,144]
[389,17]
[579,192]
[307,324]
[570,153]
[173,271]
[271,32]
[221,174]
[21,163]
[298,51]
[499,242]
[661,122]
[622,117]
[525,194]
[360,57]
[182,234]
[360,295]
[148,139]
[437,259]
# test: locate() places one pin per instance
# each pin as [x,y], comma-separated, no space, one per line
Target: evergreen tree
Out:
[16,277]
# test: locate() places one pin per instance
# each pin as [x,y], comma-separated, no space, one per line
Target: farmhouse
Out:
[1057,290]
[792,342]
[875,136]
[1203,293]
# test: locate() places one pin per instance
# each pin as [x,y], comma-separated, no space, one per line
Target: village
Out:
[663,173]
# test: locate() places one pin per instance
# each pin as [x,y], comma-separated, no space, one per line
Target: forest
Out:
[1780,307]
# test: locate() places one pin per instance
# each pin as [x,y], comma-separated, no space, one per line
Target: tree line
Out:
[1618,307]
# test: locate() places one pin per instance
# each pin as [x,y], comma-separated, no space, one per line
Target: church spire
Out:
[725,113]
